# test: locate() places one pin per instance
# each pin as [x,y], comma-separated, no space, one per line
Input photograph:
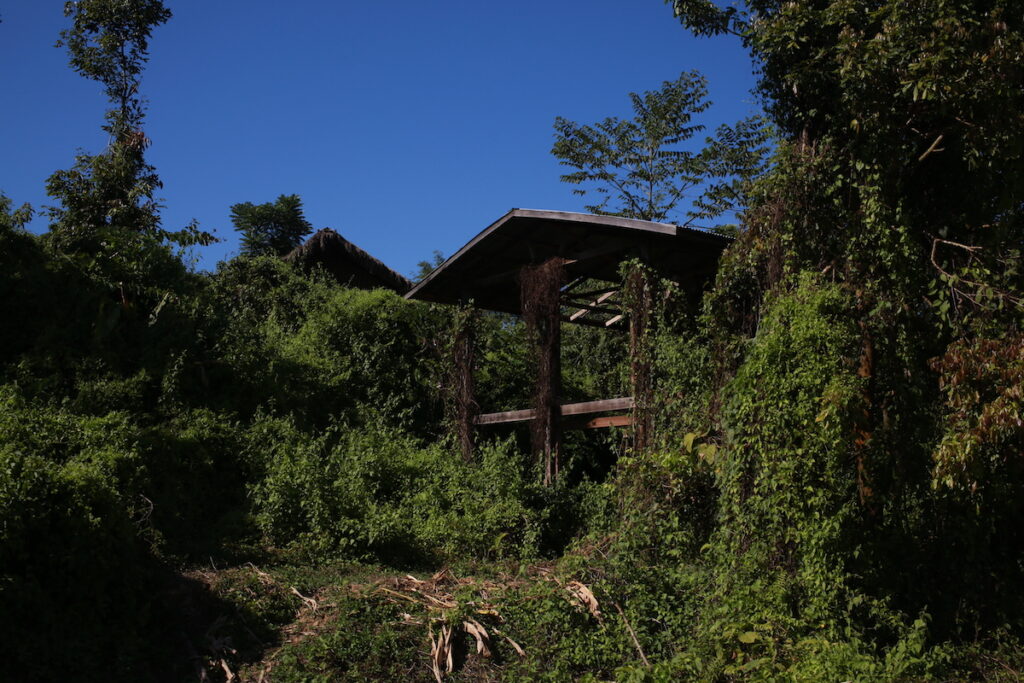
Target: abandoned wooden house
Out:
[552,267]
[347,263]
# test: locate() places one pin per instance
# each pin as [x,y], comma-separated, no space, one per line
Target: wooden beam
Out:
[595,292]
[612,321]
[594,305]
[586,308]
[511,274]
[507,416]
[592,323]
[573,285]
[603,406]
[587,407]
[603,422]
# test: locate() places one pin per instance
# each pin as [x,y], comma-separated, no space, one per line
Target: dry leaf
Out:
[511,642]
[310,602]
[435,656]
[585,596]
[447,632]
[483,639]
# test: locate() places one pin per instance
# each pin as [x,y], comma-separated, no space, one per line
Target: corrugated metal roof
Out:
[485,270]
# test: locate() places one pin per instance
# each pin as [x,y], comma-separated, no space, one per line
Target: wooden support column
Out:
[463,398]
[540,301]
[638,284]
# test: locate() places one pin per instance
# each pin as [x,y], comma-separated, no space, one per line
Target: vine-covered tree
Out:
[273,228]
[645,168]
[896,209]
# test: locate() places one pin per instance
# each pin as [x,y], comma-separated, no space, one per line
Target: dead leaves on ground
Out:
[437,596]
[460,616]
[585,596]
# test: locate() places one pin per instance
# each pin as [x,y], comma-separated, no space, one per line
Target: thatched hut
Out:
[349,264]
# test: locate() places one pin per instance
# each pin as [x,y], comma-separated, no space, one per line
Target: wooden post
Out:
[464,406]
[540,301]
[638,298]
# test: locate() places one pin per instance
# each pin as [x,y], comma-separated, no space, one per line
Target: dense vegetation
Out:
[251,470]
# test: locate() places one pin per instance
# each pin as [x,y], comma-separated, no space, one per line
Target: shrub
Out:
[383,495]
[75,579]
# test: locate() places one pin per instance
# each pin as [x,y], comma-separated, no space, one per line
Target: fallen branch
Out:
[632,634]
[932,148]
[970,249]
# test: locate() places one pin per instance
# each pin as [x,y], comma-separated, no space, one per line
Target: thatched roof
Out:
[348,263]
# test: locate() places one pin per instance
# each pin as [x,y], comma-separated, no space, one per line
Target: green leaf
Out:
[688,442]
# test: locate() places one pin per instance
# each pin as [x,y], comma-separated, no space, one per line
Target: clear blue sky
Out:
[406,126]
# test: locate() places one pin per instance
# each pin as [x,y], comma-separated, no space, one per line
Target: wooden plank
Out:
[569,409]
[585,422]
[595,292]
[507,416]
[592,309]
[594,305]
[612,321]
[602,406]
[590,323]
[590,219]
[609,421]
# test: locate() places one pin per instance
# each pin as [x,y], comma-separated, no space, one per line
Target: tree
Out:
[898,190]
[642,168]
[273,228]
[13,220]
[426,267]
[108,197]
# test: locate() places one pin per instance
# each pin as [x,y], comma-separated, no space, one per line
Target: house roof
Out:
[349,264]
[485,270]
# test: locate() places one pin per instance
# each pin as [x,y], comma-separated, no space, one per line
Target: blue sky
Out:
[406,126]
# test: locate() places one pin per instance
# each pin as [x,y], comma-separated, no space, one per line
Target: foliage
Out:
[832,493]
[788,496]
[309,347]
[273,228]
[641,167]
[898,185]
[983,383]
[109,42]
[72,568]
[367,642]
[426,267]
[381,496]
[13,221]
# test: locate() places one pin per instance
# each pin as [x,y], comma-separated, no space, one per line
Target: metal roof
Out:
[485,270]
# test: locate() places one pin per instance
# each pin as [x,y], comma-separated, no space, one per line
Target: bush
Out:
[75,579]
[383,495]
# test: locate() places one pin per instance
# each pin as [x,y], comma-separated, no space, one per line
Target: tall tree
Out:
[645,167]
[107,196]
[273,228]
